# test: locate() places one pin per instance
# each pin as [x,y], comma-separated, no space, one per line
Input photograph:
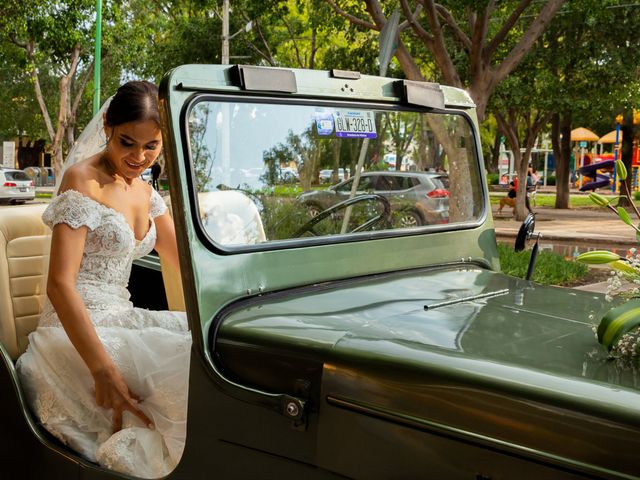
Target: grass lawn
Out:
[550,269]
[549,200]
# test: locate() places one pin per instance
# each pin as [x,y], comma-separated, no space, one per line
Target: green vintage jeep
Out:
[341,342]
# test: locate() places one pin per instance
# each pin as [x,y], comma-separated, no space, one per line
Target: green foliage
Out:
[551,268]
[618,330]
[493,178]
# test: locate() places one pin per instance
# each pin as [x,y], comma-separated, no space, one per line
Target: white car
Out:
[15,186]
[325,175]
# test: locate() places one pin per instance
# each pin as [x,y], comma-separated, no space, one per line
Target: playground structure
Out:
[594,174]
[600,173]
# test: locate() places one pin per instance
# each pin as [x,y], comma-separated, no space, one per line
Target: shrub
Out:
[493,178]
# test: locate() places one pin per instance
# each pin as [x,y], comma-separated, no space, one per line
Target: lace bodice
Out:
[109,251]
[110,246]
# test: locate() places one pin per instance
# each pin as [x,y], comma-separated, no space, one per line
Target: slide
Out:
[600,181]
[590,170]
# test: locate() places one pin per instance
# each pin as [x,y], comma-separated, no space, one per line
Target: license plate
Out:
[354,124]
[24,189]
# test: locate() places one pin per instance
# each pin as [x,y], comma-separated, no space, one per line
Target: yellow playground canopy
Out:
[611,137]
[583,135]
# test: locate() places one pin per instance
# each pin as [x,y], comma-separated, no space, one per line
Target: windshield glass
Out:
[269,172]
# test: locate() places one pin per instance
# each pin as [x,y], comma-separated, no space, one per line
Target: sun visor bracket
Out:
[260,79]
[425,94]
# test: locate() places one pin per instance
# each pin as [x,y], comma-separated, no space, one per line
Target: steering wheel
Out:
[385,215]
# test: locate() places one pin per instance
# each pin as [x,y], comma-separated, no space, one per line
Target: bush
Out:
[636,195]
[551,268]
[493,178]
[551,180]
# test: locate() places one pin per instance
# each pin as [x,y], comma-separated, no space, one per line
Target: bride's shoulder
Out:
[82,177]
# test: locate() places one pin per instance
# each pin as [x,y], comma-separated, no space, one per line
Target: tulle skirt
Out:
[154,361]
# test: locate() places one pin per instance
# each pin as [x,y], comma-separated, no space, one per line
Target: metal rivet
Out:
[292,409]
[248,291]
[261,288]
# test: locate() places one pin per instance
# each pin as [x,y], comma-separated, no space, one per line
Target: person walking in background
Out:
[156,169]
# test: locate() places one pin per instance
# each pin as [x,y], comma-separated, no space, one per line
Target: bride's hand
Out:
[113,393]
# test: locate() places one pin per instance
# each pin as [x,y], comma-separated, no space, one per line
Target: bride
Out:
[109,379]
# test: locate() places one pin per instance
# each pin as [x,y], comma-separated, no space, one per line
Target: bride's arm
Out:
[67,245]
[166,244]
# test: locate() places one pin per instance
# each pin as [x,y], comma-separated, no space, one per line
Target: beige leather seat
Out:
[24,259]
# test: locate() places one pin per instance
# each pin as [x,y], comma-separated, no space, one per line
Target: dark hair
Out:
[135,101]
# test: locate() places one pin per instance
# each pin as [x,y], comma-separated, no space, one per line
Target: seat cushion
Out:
[24,259]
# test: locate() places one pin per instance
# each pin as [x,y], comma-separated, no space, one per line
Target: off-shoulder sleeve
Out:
[74,209]
[158,207]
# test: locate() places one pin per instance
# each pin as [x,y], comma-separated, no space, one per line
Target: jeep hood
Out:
[464,313]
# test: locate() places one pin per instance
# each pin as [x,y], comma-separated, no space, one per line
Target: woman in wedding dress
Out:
[108,379]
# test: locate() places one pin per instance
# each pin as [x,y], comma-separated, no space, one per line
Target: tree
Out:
[475,45]
[53,38]
[584,61]
[522,113]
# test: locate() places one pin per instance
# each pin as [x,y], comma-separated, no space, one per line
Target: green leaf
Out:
[621,170]
[598,199]
[596,257]
[625,268]
[617,322]
[624,216]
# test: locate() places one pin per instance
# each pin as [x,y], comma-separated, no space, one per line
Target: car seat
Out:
[24,260]
[230,218]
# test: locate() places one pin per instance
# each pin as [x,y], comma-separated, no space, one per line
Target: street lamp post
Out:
[97,59]
[225,33]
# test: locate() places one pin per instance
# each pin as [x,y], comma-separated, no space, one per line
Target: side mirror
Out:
[524,234]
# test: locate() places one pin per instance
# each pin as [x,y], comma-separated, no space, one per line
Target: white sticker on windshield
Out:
[324,122]
[354,124]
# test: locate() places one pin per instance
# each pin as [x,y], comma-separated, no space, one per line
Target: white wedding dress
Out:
[150,348]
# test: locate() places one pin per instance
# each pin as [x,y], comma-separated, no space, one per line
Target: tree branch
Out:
[30,48]
[268,56]
[506,27]
[352,18]
[479,36]
[414,15]
[439,48]
[422,34]
[451,22]
[293,40]
[84,79]
[524,45]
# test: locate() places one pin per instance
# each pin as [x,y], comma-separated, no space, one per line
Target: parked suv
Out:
[416,198]
[15,186]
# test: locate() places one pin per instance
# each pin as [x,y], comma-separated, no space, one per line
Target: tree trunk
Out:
[626,154]
[561,143]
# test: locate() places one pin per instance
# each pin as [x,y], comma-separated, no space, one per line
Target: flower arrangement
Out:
[619,329]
